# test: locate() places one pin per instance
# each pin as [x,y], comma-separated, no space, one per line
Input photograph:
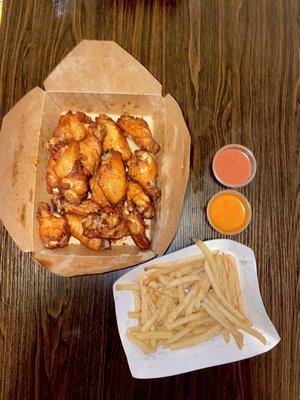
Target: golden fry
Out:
[184,320]
[235,277]
[134,314]
[127,286]
[224,322]
[146,348]
[137,301]
[184,279]
[154,335]
[212,332]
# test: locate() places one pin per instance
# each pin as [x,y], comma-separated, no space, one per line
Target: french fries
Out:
[188,301]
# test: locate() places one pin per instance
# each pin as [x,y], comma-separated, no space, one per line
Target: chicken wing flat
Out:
[135,226]
[138,130]
[97,193]
[90,152]
[53,230]
[76,229]
[107,224]
[65,173]
[86,207]
[142,168]
[70,127]
[140,199]
[112,177]
[114,138]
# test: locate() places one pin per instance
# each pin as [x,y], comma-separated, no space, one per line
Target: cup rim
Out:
[252,160]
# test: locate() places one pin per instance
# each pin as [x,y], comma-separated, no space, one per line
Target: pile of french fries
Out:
[188,301]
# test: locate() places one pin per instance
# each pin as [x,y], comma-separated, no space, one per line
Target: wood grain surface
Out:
[233,66]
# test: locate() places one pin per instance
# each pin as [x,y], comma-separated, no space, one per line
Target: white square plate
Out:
[167,362]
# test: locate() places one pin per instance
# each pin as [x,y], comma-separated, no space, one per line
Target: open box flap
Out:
[73,265]
[101,67]
[19,141]
[175,162]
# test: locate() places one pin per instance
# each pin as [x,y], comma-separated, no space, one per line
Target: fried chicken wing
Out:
[90,152]
[97,193]
[136,226]
[138,130]
[142,168]
[114,138]
[74,187]
[86,207]
[70,127]
[140,199]
[53,230]
[65,173]
[111,177]
[107,224]
[76,229]
[61,162]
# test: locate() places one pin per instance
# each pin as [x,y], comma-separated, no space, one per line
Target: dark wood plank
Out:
[234,68]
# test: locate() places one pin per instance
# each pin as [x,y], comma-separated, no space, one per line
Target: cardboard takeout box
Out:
[96,76]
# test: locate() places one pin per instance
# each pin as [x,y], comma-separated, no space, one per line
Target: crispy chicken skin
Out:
[135,226]
[98,130]
[107,224]
[74,187]
[53,230]
[142,168]
[65,172]
[138,130]
[86,207]
[114,138]
[70,127]
[97,193]
[112,177]
[76,229]
[90,149]
[61,162]
[140,199]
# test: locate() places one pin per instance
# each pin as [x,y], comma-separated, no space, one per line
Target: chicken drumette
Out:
[138,130]
[53,230]
[140,199]
[135,226]
[142,168]
[70,127]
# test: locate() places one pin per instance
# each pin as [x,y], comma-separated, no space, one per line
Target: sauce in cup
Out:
[229,212]
[234,166]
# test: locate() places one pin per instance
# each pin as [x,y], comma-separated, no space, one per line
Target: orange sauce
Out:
[228,212]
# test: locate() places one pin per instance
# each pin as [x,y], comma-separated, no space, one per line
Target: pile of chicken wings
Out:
[101,190]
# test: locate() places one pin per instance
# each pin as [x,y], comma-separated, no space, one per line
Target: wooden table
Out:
[234,68]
